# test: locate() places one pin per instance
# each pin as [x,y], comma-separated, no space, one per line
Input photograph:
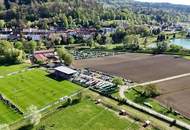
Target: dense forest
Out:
[161,12]
[86,13]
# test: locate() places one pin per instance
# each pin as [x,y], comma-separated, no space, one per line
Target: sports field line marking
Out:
[93,118]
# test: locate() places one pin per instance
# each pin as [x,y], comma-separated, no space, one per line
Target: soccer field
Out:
[86,116]
[34,88]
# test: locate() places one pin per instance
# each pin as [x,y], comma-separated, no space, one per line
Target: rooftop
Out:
[65,70]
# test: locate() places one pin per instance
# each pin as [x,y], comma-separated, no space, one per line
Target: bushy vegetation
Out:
[9,54]
[118,81]
[33,115]
[150,91]
[65,56]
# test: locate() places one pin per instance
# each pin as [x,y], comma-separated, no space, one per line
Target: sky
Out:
[185,2]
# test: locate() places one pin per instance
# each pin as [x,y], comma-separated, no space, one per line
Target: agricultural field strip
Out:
[139,68]
[124,88]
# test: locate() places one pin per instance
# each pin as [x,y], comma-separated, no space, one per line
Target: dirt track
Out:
[138,67]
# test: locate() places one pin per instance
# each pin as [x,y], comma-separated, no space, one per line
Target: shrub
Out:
[175,48]
[118,81]
[150,91]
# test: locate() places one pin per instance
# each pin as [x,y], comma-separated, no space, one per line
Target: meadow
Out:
[86,115]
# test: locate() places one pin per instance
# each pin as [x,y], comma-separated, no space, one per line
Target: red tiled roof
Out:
[44,51]
[40,57]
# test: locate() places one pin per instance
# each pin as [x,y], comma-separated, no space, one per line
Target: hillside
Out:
[88,13]
[161,12]
[147,5]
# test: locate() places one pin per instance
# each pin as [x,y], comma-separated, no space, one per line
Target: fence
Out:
[152,112]
[52,107]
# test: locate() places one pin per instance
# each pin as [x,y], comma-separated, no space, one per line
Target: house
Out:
[35,37]
[178,27]
[4,36]
[106,30]
[188,33]
[64,72]
[45,56]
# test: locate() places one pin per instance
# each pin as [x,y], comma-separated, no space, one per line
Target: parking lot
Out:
[86,54]
[96,81]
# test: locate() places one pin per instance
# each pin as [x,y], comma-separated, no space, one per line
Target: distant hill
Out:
[115,3]
[136,4]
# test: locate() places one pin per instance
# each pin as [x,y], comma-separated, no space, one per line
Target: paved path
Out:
[124,88]
[162,80]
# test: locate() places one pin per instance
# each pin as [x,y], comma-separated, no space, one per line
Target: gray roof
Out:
[65,70]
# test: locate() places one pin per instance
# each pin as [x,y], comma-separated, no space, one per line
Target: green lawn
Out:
[138,98]
[186,57]
[7,115]
[4,70]
[86,116]
[34,88]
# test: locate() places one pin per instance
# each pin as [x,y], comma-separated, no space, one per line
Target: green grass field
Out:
[86,116]
[34,88]
[4,70]
[7,115]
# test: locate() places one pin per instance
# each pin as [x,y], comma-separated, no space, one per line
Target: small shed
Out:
[64,72]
